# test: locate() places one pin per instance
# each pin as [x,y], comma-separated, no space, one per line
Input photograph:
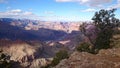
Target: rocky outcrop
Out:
[28,54]
[115,41]
[109,58]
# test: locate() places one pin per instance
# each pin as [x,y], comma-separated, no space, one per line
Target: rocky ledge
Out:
[109,58]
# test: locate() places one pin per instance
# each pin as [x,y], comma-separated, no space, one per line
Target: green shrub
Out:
[103,39]
[84,47]
[62,54]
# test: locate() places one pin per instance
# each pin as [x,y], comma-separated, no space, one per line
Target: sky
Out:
[56,10]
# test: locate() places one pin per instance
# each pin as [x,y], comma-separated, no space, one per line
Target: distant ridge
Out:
[25,29]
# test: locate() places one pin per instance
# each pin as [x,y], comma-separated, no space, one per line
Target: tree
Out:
[105,18]
[105,21]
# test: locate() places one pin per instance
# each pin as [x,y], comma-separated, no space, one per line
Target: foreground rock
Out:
[30,54]
[109,58]
[22,52]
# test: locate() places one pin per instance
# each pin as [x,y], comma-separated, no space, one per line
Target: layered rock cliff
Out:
[30,54]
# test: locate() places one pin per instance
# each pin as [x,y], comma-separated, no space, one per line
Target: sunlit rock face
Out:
[37,24]
[30,54]
[109,58]
[26,53]
[64,26]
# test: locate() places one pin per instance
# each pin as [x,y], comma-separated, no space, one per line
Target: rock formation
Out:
[109,58]
[30,54]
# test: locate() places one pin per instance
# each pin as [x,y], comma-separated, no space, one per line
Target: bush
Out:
[103,39]
[62,54]
[84,47]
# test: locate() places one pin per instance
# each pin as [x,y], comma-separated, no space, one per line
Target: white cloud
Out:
[17,13]
[60,18]
[93,3]
[3,1]
[89,10]
[84,1]
[64,0]
[81,1]
[115,5]
[99,2]
[49,12]
[118,0]
[20,14]
[28,13]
